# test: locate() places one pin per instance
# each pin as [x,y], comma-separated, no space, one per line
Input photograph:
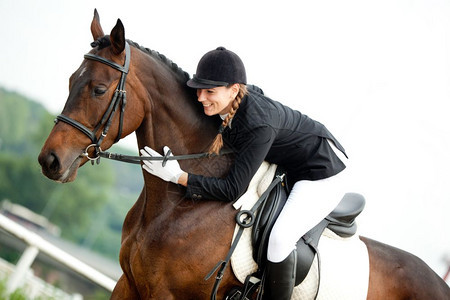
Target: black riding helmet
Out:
[220,67]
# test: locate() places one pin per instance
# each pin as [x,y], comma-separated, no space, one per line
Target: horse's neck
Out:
[173,116]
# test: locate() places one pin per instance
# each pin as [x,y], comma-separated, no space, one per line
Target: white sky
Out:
[377,73]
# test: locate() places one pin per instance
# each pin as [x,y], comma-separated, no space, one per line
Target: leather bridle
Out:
[119,99]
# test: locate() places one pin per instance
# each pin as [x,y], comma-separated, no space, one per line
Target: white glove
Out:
[170,172]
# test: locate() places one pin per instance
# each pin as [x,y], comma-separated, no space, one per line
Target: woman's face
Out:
[217,100]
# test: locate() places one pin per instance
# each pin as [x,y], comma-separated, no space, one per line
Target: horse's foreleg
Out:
[124,291]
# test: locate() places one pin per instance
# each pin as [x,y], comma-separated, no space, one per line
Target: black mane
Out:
[104,42]
[173,66]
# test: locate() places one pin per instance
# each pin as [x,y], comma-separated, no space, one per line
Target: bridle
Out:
[119,98]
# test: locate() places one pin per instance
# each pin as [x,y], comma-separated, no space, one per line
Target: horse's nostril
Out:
[53,162]
[49,162]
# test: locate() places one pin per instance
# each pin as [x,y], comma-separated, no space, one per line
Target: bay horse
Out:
[169,243]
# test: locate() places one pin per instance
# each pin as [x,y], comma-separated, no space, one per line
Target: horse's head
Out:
[93,112]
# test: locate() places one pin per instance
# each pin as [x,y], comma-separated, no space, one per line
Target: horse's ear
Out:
[96,28]
[117,37]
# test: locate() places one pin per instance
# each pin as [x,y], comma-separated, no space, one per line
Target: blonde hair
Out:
[217,144]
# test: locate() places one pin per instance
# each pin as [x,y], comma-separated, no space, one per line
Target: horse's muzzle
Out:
[53,168]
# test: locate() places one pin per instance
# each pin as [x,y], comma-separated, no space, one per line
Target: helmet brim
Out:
[198,83]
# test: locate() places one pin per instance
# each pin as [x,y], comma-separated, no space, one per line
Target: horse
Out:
[169,243]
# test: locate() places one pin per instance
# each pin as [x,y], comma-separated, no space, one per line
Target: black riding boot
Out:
[280,278]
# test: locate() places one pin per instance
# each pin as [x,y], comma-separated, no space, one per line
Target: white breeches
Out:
[308,203]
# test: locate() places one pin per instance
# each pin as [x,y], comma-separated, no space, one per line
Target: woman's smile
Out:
[216,100]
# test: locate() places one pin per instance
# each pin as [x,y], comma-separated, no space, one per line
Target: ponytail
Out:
[217,144]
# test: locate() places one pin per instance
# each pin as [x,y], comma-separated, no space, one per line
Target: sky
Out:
[376,73]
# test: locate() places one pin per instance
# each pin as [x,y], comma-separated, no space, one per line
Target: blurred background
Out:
[376,73]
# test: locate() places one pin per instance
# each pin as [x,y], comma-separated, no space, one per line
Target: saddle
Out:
[341,221]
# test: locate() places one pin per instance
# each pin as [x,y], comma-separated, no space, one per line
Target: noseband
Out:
[119,98]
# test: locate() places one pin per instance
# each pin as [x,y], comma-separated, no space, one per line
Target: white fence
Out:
[34,287]
[35,244]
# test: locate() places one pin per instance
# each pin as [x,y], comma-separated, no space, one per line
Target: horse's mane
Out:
[173,66]
[105,41]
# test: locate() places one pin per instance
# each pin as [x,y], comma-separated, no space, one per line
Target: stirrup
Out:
[235,294]
[251,285]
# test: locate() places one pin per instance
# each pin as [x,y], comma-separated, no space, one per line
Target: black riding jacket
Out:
[264,129]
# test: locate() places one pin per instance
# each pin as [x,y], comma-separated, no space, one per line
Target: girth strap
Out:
[245,223]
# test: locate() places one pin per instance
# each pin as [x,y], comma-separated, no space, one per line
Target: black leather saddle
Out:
[341,221]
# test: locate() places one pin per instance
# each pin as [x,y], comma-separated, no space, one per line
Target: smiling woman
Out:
[263,130]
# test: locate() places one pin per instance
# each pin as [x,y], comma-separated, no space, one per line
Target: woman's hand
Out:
[170,172]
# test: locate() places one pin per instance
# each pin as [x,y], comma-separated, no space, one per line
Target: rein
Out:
[165,158]
[119,98]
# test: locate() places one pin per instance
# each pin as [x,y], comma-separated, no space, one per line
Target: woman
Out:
[257,129]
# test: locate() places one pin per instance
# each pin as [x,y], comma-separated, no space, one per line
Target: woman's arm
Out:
[253,149]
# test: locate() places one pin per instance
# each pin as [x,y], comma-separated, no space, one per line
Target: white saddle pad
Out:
[344,270]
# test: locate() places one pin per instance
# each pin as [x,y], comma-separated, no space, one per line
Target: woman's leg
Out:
[308,203]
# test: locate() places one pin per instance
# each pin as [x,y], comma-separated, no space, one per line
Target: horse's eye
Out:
[99,90]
